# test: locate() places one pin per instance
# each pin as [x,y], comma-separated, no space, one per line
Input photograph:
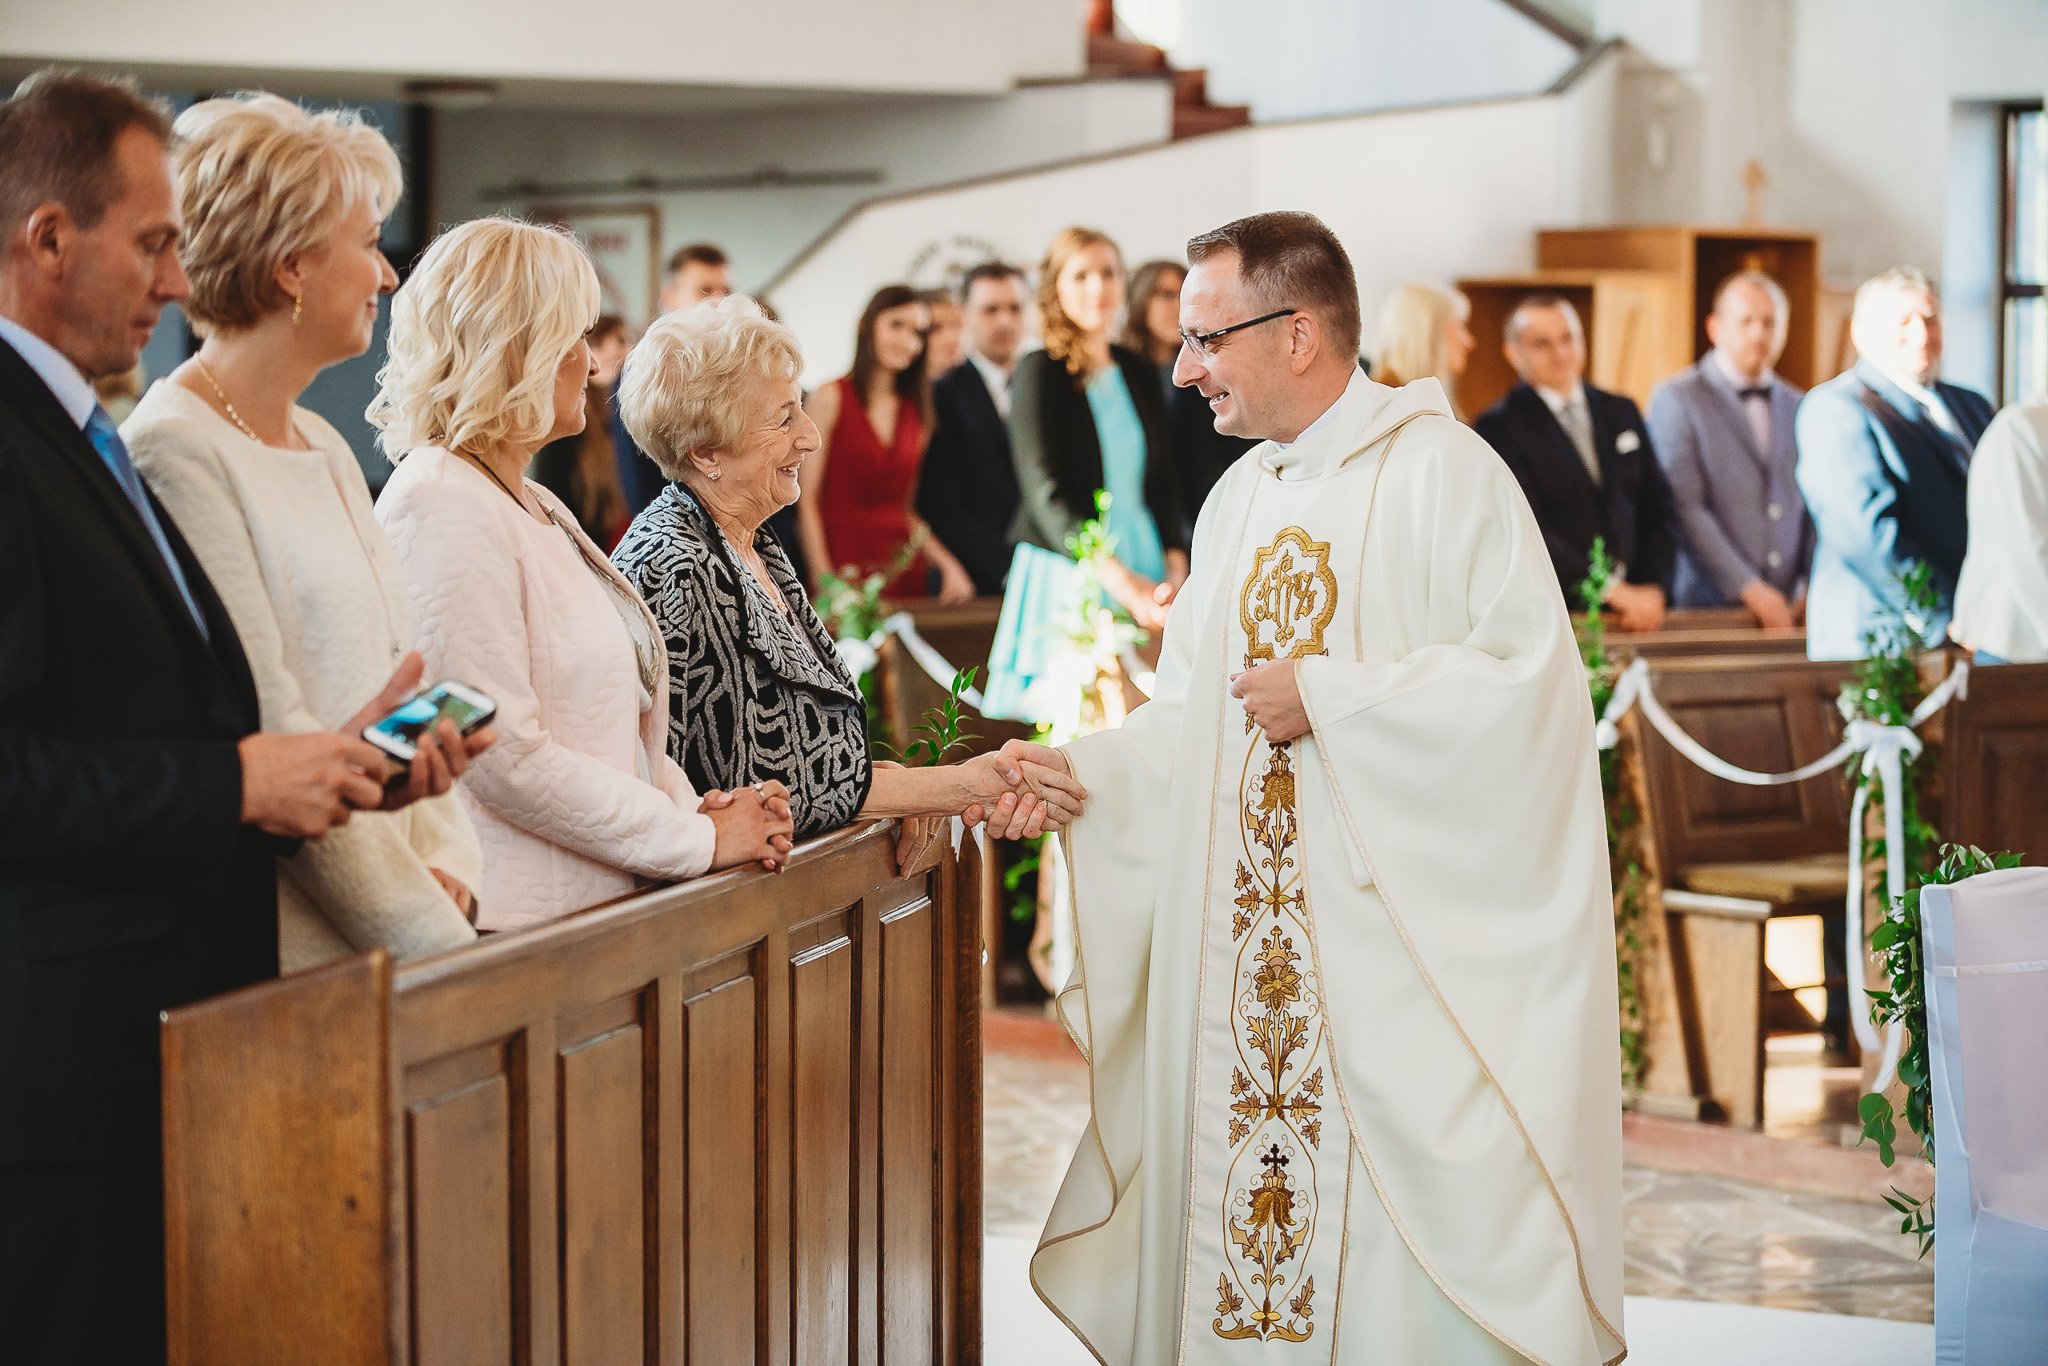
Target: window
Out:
[2023,343]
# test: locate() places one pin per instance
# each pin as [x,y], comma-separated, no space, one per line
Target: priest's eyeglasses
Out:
[1204,343]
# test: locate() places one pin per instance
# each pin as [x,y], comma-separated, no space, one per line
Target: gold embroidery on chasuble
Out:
[1272,1199]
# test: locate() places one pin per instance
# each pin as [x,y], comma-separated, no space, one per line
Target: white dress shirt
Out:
[1756,407]
[997,379]
[72,389]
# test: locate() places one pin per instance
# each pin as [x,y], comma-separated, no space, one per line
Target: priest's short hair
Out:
[1292,260]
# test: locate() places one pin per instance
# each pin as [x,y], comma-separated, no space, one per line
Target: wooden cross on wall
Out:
[1753,181]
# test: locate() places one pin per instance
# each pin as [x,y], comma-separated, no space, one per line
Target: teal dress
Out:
[1122,434]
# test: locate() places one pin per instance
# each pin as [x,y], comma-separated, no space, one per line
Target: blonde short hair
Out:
[477,335]
[679,391]
[1409,336]
[261,179]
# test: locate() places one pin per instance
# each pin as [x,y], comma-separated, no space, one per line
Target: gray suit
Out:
[1740,516]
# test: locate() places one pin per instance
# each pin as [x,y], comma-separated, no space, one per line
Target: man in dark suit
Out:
[967,491]
[1884,462]
[1723,430]
[140,812]
[1583,458]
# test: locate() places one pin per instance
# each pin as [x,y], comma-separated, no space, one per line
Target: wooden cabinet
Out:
[1644,294]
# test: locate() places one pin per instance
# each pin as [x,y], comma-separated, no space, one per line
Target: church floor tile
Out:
[1686,1235]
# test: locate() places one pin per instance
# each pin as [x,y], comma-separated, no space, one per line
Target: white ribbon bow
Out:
[1884,750]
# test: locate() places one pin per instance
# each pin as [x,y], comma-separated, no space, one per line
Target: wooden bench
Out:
[1709,631]
[1994,761]
[1725,858]
[732,1121]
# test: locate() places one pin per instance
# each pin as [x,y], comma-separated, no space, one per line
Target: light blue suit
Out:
[1740,516]
[1886,486]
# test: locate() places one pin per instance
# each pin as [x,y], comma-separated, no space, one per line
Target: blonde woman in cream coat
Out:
[282,213]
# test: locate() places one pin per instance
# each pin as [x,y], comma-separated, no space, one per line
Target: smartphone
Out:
[397,733]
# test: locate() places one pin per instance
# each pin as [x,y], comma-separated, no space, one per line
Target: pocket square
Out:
[1626,443]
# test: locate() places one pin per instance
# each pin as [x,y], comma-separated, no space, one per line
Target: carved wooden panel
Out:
[910,1190]
[723,1176]
[712,1125]
[462,1167]
[1769,715]
[824,1024]
[1995,761]
[604,1145]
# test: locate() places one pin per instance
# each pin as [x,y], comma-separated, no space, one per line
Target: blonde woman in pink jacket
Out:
[579,803]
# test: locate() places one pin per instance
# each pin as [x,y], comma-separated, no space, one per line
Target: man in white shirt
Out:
[967,491]
[1884,459]
[1723,430]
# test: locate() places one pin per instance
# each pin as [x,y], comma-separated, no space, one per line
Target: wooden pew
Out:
[1994,761]
[1709,631]
[732,1121]
[1725,858]
[964,634]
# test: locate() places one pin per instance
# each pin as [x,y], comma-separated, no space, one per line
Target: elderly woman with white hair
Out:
[282,210]
[711,394]
[579,802]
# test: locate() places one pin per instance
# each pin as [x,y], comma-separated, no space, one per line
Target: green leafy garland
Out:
[1624,822]
[1885,691]
[1897,942]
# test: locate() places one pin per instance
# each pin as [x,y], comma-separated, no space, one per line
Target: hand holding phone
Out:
[398,731]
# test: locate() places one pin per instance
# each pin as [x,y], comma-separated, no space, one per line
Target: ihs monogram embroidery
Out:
[1289,598]
[1276,1011]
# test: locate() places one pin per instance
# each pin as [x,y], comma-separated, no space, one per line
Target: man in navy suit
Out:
[1583,458]
[1723,429]
[1884,462]
[967,492]
[141,812]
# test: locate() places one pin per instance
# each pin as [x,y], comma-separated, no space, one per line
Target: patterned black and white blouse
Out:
[752,694]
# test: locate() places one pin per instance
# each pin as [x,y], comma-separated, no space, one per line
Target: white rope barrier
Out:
[860,655]
[1884,750]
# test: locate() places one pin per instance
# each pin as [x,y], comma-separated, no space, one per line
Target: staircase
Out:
[1193,114]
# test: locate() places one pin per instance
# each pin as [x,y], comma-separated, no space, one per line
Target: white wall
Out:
[912,143]
[1857,110]
[901,45]
[1305,58]
[1847,104]
[1428,194]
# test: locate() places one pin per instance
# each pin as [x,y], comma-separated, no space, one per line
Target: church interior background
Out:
[1628,153]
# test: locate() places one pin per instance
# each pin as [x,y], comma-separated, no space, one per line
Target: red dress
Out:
[865,500]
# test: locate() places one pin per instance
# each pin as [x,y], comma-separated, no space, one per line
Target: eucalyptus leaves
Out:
[1624,821]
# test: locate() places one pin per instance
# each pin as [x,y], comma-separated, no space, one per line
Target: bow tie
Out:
[1754,391]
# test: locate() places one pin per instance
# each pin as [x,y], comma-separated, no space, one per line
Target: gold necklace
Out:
[220,394]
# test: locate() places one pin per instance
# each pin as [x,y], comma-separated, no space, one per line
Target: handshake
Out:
[1034,790]
[1020,792]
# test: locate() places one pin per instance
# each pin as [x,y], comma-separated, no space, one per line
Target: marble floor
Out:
[1687,1236]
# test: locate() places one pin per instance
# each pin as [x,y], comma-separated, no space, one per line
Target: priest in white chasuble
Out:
[1346,976]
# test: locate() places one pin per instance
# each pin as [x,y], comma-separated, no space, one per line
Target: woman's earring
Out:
[297,300]
[714,471]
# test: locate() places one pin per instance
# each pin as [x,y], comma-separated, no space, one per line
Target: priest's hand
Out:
[1271,694]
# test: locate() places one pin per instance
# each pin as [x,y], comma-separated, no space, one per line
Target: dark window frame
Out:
[2010,287]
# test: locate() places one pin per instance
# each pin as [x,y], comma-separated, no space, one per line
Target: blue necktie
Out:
[106,439]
